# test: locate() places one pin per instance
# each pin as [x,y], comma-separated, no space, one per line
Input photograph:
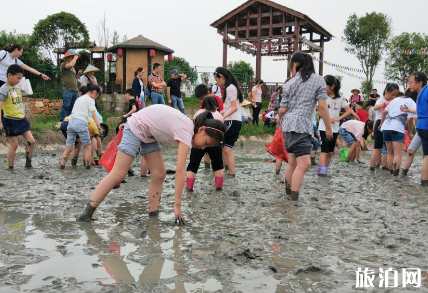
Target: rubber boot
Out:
[28,162]
[154,214]
[396,172]
[10,167]
[313,163]
[424,183]
[404,173]
[218,183]
[62,166]
[74,162]
[207,165]
[190,182]
[287,188]
[277,172]
[372,169]
[294,196]
[322,170]
[86,216]
[391,172]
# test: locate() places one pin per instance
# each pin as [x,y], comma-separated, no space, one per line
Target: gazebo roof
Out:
[140,42]
[251,5]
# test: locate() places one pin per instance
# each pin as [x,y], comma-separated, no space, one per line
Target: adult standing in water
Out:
[68,82]
[257,100]
[9,55]
[299,97]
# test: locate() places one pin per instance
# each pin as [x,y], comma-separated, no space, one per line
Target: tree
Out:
[205,77]
[125,38]
[365,37]
[182,66]
[103,32]
[59,31]
[115,39]
[241,70]
[399,66]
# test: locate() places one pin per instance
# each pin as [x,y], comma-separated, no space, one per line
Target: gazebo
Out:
[265,28]
[134,53]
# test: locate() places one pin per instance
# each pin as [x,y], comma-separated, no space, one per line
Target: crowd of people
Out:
[309,109]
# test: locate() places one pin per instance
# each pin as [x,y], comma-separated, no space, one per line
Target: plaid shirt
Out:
[300,99]
[156,79]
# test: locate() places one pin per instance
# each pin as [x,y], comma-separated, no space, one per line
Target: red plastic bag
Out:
[277,147]
[109,157]
[407,141]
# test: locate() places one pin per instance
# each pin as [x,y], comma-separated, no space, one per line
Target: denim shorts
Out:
[130,144]
[15,127]
[347,136]
[392,136]
[75,128]
[416,143]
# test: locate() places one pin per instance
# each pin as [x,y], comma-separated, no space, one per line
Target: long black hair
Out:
[214,128]
[11,47]
[391,87]
[210,104]
[330,80]
[305,65]
[139,69]
[230,79]
[409,94]
[368,126]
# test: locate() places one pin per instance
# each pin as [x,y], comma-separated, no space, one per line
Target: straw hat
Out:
[70,53]
[90,68]
[246,103]
[355,90]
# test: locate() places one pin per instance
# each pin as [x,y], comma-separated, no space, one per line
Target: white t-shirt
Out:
[86,80]
[216,90]
[162,124]
[232,95]
[82,108]
[394,110]
[257,94]
[379,111]
[246,112]
[334,107]
[271,115]
[5,63]
[216,114]
[372,113]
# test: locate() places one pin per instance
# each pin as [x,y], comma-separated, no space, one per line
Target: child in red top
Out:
[361,113]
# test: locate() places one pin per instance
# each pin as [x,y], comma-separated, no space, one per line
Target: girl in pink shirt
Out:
[143,132]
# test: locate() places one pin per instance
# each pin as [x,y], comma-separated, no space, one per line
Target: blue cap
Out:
[174,71]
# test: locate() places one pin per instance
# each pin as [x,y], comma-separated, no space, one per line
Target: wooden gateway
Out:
[265,28]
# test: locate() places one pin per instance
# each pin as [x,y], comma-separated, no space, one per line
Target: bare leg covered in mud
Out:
[29,148]
[424,172]
[229,159]
[295,172]
[395,153]
[375,159]
[408,161]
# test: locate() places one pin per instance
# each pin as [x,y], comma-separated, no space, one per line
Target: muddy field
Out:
[246,238]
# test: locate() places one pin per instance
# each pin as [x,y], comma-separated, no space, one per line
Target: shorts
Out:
[393,136]
[378,136]
[416,143]
[77,127]
[384,151]
[16,127]
[327,146]
[196,156]
[423,134]
[298,144]
[232,132]
[130,144]
[347,136]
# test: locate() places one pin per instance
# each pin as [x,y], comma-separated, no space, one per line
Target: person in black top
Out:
[173,90]
[132,108]
[373,97]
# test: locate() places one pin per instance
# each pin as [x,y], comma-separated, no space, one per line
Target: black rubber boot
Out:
[424,183]
[277,172]
[86,216]
[62,166]
[313,163]
[396,172]
[74,162]
[294,196]
[404,172]
[372,169]
[287,188]
[10,167]
[28,163]
[154,214]
[391,172]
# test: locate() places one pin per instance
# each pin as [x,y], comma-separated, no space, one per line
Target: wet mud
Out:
[246,238]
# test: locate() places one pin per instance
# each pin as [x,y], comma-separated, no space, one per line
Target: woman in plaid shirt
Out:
[299,98]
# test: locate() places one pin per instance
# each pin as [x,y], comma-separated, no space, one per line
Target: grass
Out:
[44,122]
[254,130]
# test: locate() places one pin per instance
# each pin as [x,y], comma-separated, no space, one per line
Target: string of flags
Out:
[341,68]
[410,52]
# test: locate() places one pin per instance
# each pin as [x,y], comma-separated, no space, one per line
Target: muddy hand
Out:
[178,215]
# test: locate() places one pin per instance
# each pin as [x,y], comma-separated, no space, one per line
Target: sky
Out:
[184,26]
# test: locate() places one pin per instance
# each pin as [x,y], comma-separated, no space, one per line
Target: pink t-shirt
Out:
[257,94]
[355,127]
[216,114]
[162,124]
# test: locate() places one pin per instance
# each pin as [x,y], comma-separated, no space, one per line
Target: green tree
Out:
[205,77]
[115,39]
[365,37]
[239,68]
[183,67]
[59,31]
[399,66]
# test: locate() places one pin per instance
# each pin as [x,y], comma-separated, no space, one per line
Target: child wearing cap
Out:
[245,112]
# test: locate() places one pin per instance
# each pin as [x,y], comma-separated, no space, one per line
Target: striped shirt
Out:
[300,99]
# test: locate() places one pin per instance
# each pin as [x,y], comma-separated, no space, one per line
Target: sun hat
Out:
[246,103]
[355,90]
[90,68]
[70,53]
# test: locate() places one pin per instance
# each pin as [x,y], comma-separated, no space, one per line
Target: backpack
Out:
[5,54]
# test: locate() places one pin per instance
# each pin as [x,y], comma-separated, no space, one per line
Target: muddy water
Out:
[246,238]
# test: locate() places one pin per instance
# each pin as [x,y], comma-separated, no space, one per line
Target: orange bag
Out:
[277,147]
[407,141]
[109,157]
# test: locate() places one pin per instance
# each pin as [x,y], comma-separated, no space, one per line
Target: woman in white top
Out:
[10,55]
[232,113]
[257,100]
[393,125]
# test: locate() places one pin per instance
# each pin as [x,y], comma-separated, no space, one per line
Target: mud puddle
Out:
[246,238]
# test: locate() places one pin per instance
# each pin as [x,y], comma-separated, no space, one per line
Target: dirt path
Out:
[246,238]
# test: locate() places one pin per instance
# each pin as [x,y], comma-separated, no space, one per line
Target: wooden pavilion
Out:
[265,28]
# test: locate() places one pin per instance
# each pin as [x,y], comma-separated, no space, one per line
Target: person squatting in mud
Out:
[143,131]
[299,98]
[12,118]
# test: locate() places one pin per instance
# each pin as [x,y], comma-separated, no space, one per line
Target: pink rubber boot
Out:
[218,182]
[190,183]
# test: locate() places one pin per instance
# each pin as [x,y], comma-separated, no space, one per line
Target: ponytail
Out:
[368,126]
[139,69]
[214,128]
[11,47]
[230,79]
[330,80]
[305,65]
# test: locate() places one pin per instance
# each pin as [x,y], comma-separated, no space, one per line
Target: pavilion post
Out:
[321,65]
[259,44]
[225,45]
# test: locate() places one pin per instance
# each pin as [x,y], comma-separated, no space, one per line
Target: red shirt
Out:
[219,101]
[364,116]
